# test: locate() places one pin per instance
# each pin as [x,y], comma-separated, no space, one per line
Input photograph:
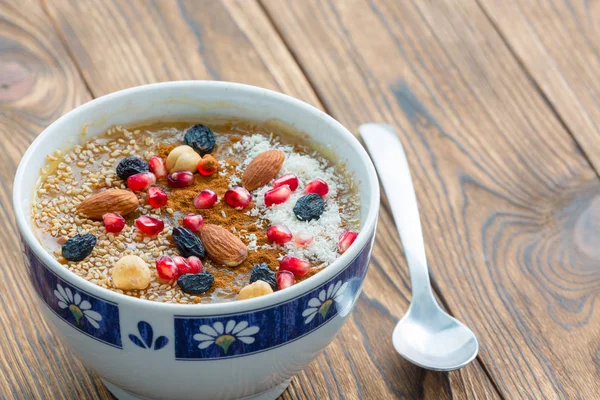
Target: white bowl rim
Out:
[232,307]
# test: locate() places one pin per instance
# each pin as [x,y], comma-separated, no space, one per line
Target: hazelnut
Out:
[256,289]
[131,272]
[183,158]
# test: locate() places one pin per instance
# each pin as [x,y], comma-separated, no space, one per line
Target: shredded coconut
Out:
[234,180]
[252,246]
[326,229]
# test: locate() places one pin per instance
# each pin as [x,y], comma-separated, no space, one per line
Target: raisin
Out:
[201,138]
[309,207]
[196,283]
[79,247]
[131,166]
[262,272]
[188,243]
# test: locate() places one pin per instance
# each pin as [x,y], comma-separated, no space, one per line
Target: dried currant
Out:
[196,283]
[79,247]
[188,243]
[131,166]
[201,138]
[309,207]
[262,272]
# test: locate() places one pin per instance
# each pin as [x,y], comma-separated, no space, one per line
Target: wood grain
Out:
[122,44]
[357,365]
[558,44]
[120,47]
[38,83]
[509,204]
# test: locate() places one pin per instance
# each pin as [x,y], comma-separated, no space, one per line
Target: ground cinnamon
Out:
[230,279]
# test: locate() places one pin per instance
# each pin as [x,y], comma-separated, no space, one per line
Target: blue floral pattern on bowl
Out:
[322,303]
[235,335]
[146,336]
[79,308]
[205,337]
[93,316]
[224,335]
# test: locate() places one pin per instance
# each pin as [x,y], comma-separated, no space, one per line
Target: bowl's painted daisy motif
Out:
[224,335]
[78,307]
[322,303]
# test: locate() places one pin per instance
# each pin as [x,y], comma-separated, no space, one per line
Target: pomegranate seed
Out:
[285,279]
[182,265]
[157,197]
[290,179]
[141,181]
[195,265]
[318,186]
[346,239]
[238,197]
[193,222]
[149,226]
[205,199]
[303,239]
[113,223]
[207,165]
[279,234]
[180,179]
[157,167]
[277,196]
[166,268]
[295,265]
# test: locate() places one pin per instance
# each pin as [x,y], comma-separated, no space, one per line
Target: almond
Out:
[262,169]
[116,200]
[222,246]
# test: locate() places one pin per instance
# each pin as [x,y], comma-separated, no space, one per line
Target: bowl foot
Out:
[269,394]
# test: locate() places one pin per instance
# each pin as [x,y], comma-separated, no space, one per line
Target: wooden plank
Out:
[38,83]
[141,42]
[558,44]
[137,43]
[509,206]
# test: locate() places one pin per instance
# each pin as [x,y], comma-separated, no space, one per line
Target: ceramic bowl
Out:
[246,349]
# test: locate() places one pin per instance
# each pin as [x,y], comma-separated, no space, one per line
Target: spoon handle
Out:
[390,161]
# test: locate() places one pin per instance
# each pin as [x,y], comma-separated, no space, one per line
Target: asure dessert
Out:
[195,213]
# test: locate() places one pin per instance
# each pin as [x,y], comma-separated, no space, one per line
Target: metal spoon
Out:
[426,336]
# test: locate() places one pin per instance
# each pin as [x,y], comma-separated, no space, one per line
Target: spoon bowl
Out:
[438,341]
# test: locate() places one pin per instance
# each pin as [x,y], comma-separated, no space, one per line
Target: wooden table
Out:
[497,103]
